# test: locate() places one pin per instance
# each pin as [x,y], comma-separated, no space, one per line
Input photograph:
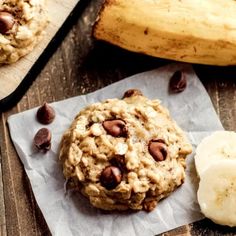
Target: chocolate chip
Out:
[116,128]
[132,92]
[72,184]
[42,140]
[118,161]
[178,82]
[149,205]
[6,22]
[110,177]
[158,149]
[45,114]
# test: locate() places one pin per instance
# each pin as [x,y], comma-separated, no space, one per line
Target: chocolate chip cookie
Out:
[21,27]
[124,153]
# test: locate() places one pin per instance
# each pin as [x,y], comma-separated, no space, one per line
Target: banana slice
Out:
[221,145]
[217,193]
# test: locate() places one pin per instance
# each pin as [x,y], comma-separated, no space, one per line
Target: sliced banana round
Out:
[221,145]
[217,193]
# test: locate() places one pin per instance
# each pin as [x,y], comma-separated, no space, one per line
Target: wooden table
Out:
[79,66]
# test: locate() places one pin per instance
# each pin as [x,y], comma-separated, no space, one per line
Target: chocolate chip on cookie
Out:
[178,82]
[42,139]
[118,161]
[45,114]
[6,22]
[111,176]
[149,205]
[132,92]
[158,149]
[116,128]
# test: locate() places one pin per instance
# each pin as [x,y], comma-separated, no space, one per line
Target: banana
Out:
[217,192]
[220,145]
[196,31]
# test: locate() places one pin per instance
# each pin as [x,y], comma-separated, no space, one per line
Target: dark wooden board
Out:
[81,65]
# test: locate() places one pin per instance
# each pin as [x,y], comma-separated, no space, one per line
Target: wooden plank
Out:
[22,214]
[180,231]
[227,106]
[3,230]
[2,205]
[12,75]
[9,191]
[220,84]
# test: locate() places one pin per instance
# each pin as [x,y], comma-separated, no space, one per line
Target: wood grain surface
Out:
[12,75]
[81,65]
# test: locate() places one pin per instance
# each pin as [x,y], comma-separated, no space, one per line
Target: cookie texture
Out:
[21,27]
[124,153]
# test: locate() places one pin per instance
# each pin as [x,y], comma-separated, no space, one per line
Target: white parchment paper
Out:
[71,214]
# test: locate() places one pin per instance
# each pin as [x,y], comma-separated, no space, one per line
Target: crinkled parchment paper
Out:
[71,214]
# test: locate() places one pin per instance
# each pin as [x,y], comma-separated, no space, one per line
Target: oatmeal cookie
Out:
[21,26]
[124,153]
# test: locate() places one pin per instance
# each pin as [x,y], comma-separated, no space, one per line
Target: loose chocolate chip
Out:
[132,92]
[178,82]
[45,114]
[110,177]
[6,22]
[42,140]
[116,128]
[158,150]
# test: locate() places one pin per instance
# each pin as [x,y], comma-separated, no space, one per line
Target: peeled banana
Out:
[215,162]
[196,31]
[217,193]
[220,145]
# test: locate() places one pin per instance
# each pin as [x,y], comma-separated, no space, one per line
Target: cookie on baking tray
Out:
[124,153]
[21,26]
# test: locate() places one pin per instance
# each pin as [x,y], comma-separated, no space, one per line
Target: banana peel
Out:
[195,31]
